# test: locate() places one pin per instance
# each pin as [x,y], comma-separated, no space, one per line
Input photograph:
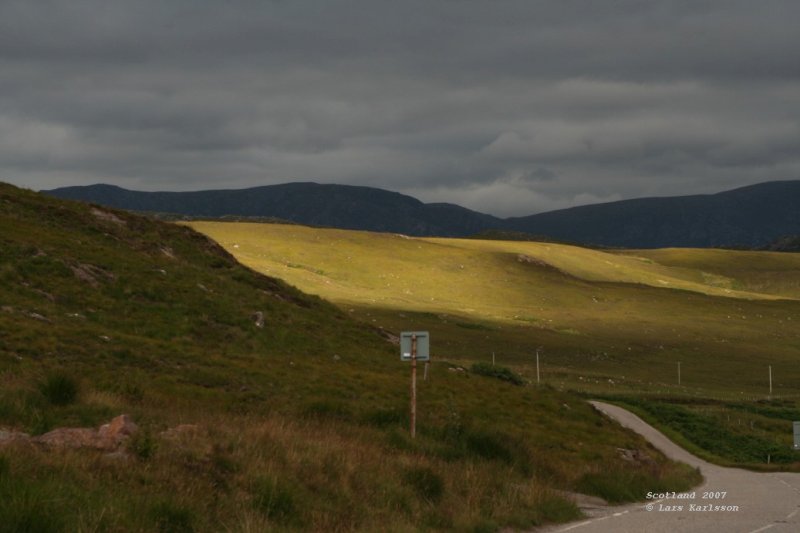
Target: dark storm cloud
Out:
[509,107]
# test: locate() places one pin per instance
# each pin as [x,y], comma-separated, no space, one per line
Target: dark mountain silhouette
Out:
[752,216]
[787,243]
[339,206]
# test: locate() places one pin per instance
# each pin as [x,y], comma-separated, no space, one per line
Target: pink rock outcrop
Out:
[107,437]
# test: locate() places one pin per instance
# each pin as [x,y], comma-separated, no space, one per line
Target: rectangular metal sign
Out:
[423,345]
[796,435]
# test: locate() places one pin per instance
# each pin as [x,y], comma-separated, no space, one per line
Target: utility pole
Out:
[679,373]
[537,366]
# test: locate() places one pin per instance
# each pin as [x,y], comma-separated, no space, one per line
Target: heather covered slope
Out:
[297,425]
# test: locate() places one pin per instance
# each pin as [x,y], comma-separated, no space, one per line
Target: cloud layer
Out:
[507,107]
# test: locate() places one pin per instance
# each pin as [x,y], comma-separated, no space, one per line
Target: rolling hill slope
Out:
[763,272]
[259,407]
[703,343]
[595,312]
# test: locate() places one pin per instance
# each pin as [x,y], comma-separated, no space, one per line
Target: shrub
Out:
[59,389]
[28,508]
[386,417]
[143,445]
[133,392]
[172,518]
[222,461]
[275,500]
[400,440]
[499,372]
[427,483]
[485,526]
[485,443]
[327,410]
[488,446]
[617,484]
[41,423]
[555,508]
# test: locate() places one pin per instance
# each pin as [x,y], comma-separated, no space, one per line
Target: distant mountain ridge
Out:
[339,206]
[787,243]
[751,216]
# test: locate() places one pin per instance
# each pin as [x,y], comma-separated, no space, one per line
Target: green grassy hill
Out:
[773,273]
[605,322]
[297,425]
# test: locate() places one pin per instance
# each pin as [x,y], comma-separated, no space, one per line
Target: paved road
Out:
[753,502]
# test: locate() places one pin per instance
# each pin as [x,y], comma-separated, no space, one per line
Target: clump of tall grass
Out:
[623,483]
[170,517]
[427,484]
[276,500]
[59,388]
[143,444]
[28,506]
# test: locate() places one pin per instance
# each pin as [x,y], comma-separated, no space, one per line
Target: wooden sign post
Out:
[413,385]
[414,346]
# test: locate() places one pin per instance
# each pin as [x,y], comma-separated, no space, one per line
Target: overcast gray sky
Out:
[506,107]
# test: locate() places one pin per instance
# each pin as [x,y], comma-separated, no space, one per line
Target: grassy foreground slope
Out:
[605,322]
[297,425]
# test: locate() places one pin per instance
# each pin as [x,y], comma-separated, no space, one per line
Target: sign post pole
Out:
[414,347]
[414,386]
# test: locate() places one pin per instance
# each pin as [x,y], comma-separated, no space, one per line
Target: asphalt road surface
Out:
[729,501]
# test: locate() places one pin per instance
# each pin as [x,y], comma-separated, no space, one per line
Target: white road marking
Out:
[789,485]
[762,528]
[580,524]
[587,522]
[792,514]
